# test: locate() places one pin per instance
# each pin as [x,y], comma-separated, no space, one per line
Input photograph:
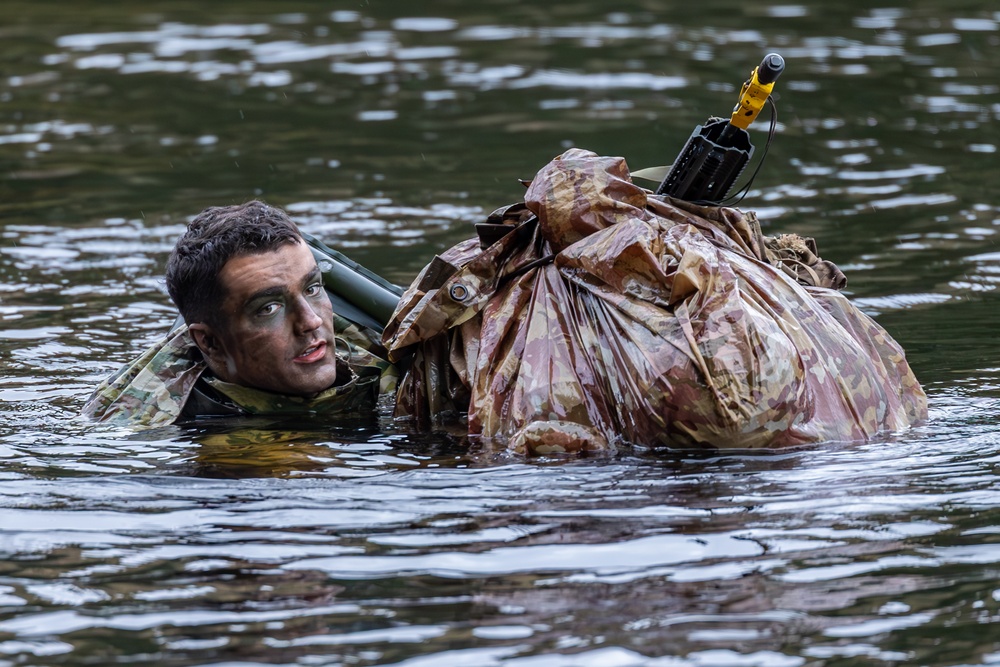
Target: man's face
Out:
[277,331]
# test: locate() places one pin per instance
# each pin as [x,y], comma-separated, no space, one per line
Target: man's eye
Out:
[314,289]
[269,309]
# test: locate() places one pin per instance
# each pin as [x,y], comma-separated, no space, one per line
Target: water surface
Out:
[388,128]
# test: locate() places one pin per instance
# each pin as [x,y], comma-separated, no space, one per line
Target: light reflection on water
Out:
[835,544]
[386,134]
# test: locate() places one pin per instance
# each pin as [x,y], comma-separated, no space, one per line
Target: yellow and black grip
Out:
[717,152]
[757,89]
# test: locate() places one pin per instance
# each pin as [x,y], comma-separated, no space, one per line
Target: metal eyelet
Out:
[459,292]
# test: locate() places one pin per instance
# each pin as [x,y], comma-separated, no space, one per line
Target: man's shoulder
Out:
[152,389]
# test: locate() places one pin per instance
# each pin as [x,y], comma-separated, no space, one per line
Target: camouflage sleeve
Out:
[152,389]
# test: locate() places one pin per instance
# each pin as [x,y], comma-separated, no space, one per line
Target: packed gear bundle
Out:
[611,315]
[597,312]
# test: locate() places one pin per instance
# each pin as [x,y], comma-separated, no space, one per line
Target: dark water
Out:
[387,128]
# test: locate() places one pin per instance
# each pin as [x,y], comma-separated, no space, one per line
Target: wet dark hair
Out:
[213,237]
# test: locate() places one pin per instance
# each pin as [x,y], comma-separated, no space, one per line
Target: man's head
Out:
[249,288]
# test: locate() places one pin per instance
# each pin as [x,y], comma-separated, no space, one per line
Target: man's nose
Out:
[307,316]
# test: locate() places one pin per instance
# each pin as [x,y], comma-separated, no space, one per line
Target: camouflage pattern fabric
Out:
[152,390]
[608,314]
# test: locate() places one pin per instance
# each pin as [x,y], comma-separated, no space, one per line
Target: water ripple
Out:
[368,542]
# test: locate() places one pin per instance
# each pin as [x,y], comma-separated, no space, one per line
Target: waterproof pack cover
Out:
[609,315]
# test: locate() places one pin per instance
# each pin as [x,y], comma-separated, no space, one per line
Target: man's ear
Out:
[209,344]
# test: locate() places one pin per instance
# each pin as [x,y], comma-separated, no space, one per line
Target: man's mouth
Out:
[312,353]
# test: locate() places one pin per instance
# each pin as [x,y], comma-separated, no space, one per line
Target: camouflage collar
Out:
[153,389]
[344,397]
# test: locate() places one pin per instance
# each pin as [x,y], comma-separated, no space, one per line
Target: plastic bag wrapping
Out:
[614,316]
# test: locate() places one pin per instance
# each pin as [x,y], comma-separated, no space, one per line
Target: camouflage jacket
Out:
[595,312]
[153,389]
